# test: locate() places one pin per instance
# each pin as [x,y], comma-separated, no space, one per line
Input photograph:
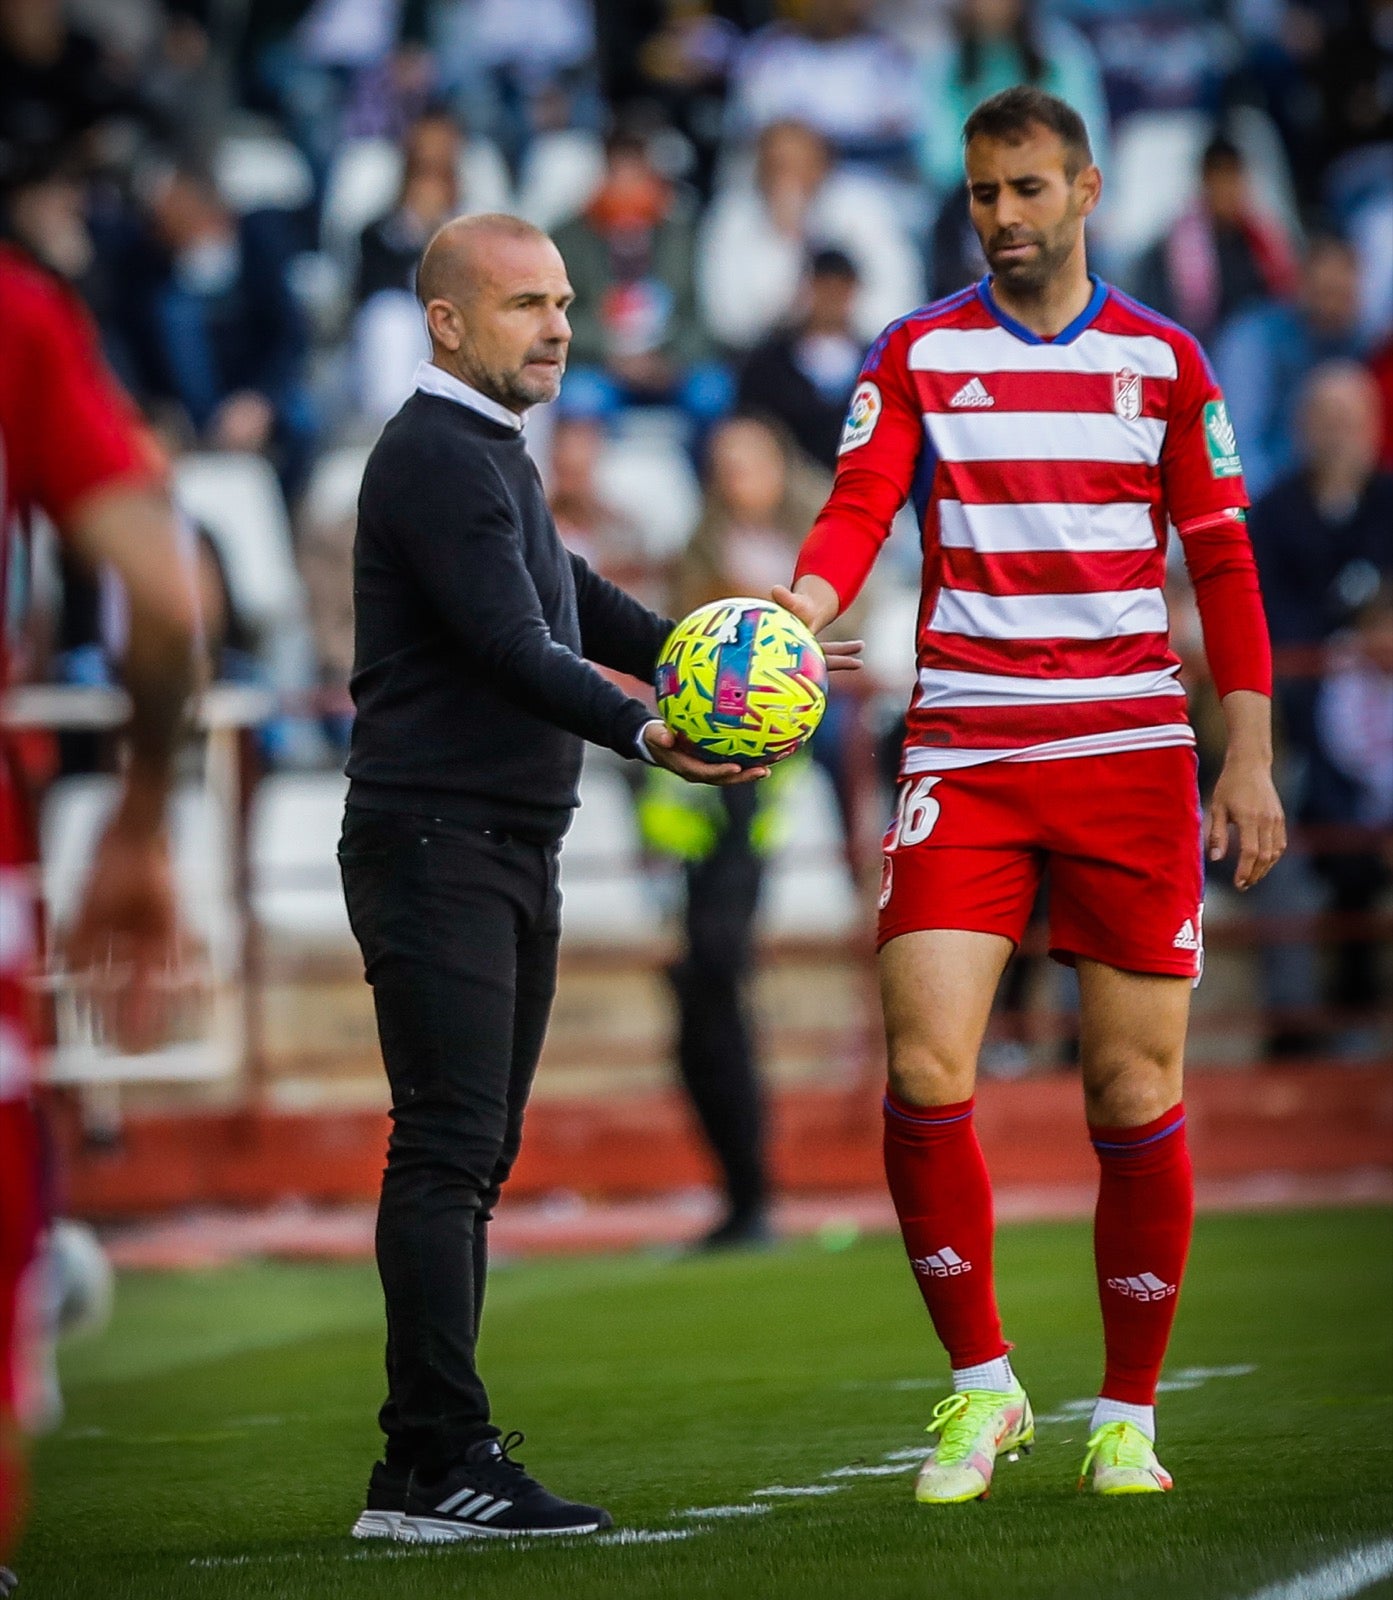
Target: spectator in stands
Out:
[390,247]
[1323,535]
[518,70]
[332,69]
[994,44]
[389,335]
[1221,254]
[636,337]
[1265,354]
[759,232]
[803,374]
[679,57]
[831,66]
[57,84]
[609,540]
[1323,540]
[226,336]
[1351,788]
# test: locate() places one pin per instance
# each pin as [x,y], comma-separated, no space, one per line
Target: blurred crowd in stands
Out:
[744,192]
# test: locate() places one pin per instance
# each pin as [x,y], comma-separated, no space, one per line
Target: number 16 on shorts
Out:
[916,812]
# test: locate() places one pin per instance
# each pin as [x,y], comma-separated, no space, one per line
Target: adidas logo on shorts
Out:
[1187,938]
[946,1263]
[972,394]
[1147,1286]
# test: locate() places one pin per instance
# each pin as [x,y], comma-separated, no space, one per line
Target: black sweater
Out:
[471,625]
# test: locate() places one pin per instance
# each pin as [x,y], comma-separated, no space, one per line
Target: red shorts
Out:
[1119,833]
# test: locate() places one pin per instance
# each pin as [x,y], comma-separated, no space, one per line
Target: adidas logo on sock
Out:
[973,393]
[1187,938]
[946,1263]
[1147,1286]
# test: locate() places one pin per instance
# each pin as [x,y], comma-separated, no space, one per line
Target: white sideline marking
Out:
[755,1510]
[646,1535]
[916,1452]
[802,1488]
[892,1471]
[1348,1574]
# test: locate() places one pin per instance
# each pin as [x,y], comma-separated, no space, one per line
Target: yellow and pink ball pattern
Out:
[742,680]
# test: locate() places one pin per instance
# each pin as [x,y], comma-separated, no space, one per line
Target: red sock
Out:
[1141,1236]
[943,1197]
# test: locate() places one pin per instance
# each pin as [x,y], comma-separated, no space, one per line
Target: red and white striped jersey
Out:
[1044,474]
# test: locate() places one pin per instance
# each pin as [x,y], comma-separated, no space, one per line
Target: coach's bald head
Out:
[495,294]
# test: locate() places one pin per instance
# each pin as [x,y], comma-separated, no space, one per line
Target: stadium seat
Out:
[237,498]
[559,174]
[262,172]
[606,898]
[332,493]
[650,479]
[389,340]
[360,187]
[808,891]
[294,833]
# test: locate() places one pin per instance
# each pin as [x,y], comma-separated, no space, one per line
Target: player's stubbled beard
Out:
[1029,276]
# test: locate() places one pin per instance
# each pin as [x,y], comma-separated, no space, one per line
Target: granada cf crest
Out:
[1126,394]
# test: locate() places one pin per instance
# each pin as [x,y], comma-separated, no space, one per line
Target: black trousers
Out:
[715,1032]
[459,931]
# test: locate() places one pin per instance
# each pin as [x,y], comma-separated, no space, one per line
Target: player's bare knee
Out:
[922,1076]
[1125,1088]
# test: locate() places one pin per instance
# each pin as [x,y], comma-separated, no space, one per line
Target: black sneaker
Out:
[381,1516]
[488,1495]
[741,1230]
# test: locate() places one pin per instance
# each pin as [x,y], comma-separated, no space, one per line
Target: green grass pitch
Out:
[219,1434]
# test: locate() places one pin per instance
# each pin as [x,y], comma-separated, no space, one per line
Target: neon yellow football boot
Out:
[1120,1460]
[973,1427]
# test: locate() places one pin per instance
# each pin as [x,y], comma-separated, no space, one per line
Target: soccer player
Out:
[72,446]
[1049,429]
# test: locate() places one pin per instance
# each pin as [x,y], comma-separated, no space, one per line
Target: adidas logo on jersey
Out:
[1187,938]
[972,394]
[946,1263]
[1146,1286]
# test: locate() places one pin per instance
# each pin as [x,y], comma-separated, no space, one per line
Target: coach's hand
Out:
[1245,798]
[662,743]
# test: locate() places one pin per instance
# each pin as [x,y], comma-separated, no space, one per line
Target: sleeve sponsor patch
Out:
[1221,441]
[861,418]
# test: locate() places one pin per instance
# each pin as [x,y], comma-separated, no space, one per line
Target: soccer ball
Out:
[742,680]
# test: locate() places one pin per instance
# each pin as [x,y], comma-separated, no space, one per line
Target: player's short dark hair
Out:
[1010,116]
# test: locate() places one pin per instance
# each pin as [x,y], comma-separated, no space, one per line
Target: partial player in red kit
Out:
[72,446]
[1050,431]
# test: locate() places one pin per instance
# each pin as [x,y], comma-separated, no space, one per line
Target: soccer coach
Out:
[474,694]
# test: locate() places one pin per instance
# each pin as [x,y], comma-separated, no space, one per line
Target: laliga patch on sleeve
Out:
[1221,441]
[861,418]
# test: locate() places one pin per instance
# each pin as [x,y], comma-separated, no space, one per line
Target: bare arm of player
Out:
[128,914]
[1245,797]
